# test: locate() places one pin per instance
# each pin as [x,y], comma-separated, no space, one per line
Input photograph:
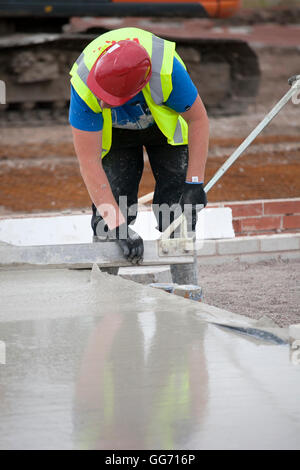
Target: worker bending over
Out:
[130,89]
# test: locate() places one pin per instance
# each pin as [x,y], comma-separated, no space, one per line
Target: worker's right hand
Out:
[192,200]
[130,242]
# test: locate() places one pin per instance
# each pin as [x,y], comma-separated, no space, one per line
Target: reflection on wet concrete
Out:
[110,365]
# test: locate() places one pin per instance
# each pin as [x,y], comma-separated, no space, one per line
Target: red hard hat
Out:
[120,72]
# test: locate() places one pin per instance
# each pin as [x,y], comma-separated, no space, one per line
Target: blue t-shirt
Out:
[134,114]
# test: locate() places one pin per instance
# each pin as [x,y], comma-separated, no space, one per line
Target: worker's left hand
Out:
[193,200]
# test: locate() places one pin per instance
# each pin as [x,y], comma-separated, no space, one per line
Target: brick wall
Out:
[264,216]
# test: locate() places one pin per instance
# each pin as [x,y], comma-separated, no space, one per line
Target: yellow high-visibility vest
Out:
[156,92]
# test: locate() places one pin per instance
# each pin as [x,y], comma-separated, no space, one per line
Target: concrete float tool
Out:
[166,250]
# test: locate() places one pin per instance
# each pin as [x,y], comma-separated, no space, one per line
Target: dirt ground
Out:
[39,172]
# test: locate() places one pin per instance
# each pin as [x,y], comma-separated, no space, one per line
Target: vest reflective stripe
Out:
[82,70]
[79,58]
[83,73]
[178,137]
[158,49]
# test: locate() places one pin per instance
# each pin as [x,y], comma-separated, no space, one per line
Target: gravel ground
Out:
[268,288]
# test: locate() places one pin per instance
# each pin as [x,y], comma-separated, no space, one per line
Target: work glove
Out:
[129,241]
[193,199]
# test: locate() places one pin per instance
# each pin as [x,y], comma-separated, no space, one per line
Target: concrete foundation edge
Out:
[215,315]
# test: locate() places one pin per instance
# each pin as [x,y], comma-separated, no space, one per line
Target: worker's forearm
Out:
[88,150]
[198,148]
[101,194]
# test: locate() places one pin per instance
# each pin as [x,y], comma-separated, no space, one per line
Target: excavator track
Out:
[225,71]
[35,68]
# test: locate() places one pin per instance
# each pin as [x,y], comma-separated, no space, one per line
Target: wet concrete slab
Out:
[99,362]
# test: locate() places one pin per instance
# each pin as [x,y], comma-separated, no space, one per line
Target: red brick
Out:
[246,209]
[291,221]
[261,223]
[282,207]
[237,226]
